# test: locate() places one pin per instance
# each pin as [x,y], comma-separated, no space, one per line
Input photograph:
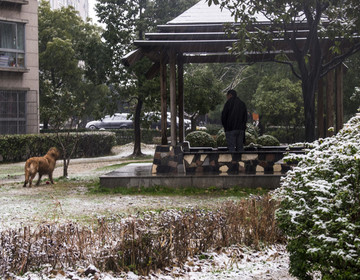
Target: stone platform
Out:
[182,166]
[139,175]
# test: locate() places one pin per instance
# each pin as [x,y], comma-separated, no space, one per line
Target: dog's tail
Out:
[31,168]
[30,171]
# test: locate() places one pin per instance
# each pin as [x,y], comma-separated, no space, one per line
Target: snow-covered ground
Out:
[23,206]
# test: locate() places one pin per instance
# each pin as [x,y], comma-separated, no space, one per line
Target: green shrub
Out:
[220,132]
[221,139]
[249,138]
[267,140]
[320,207]
[15,148]
[200,139]
[252,129]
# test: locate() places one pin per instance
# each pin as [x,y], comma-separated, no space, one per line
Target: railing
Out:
[207,160]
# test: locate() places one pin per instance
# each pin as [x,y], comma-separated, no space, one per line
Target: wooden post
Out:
[163,100]
[172,63]
[181,98]
[320,109]
[339,98]
[329,102]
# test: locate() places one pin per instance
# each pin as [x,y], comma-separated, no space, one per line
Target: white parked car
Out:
[116,121]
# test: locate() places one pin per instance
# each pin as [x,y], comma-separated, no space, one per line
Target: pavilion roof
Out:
[199,34]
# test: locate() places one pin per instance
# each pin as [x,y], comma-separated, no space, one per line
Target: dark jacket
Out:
[234,115]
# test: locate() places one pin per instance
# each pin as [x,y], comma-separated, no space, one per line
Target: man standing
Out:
[234,118]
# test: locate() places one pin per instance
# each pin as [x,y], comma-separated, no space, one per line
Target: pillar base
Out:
[168,159]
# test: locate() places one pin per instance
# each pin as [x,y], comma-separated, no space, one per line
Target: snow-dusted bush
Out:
[267,140]
[144,242]
[221,139]
[320,208]
[200,139]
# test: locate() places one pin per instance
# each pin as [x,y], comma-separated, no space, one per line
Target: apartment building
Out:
[82,6]
[19,67]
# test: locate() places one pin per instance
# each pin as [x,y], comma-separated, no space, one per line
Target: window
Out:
[12,112]
[12,44]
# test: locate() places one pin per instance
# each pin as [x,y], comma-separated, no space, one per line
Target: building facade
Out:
[19,67]
[82,6]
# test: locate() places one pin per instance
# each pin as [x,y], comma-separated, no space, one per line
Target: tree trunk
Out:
[137,132]
[193,123]
[65,168]
[309,88]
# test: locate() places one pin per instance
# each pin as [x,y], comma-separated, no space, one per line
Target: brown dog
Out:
[42,165]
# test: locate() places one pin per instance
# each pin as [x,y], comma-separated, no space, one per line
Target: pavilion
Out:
[199,36]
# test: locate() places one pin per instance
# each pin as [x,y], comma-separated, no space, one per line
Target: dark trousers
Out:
[235,140]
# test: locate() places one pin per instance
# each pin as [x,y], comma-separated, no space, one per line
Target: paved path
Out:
[80,167]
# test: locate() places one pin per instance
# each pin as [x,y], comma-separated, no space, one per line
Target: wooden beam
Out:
[320,109]
[153,71]
[172,63]
[132,57]
[181,97]
[329,102]
[163,76]
[339,97]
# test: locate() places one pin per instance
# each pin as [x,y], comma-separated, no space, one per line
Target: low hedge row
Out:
[123,136]
[15,148]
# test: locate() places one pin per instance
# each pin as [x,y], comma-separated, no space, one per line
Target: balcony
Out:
[12,61]
[15,2]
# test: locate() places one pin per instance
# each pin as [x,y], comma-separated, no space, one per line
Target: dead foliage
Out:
[142,243]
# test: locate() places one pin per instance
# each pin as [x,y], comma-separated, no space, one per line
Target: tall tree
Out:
[85,76]
[71,81]
[126,21]
[333,27]
[278,102]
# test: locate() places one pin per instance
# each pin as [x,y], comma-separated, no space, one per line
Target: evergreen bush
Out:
[320,208]
[200,139]
[267,140]
[252,129]
[249,138]
[221,139]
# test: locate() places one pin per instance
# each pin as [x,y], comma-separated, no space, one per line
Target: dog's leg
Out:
[26,176]
[51,179]
[26,179]
[38,182]
[31,179]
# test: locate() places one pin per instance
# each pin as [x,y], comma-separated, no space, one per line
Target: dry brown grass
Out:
[142,243]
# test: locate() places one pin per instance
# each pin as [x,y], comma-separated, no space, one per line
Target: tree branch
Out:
[291,67]
[337,60]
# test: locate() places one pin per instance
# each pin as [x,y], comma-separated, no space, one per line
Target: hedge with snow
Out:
[320,209]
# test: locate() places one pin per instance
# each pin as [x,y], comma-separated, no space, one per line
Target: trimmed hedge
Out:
[15,148]
[221,139]
[123,136]
[267,140]
[200,139]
